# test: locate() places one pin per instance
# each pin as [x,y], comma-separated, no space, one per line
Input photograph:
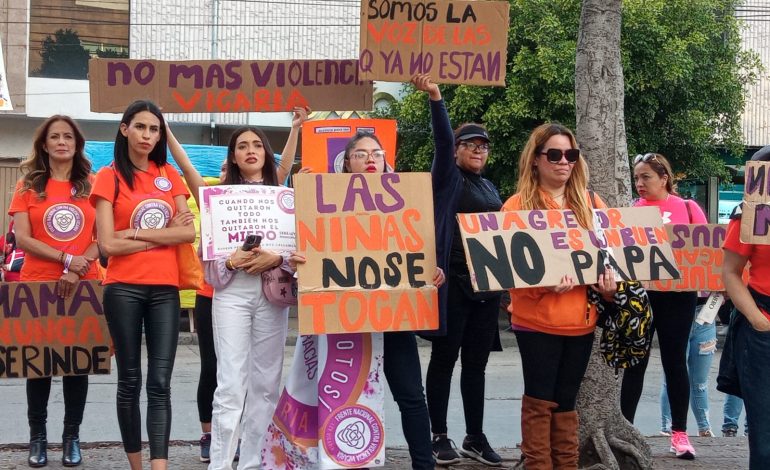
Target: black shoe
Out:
[38,452]
[71,456]
[444,450]
[478,448]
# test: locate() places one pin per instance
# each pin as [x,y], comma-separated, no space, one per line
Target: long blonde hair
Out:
[528,185]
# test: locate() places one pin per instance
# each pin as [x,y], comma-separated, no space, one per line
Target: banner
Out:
[232,212]
[537,248]
[43,335]
[455,41]
[228,86]
[755,220]
[5,95]
[699,257]
[323,142]
[370,246]
[329,413]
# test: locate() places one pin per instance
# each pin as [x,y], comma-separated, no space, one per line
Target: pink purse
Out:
[280,287]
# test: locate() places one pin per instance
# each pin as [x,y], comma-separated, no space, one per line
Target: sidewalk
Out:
[713,453]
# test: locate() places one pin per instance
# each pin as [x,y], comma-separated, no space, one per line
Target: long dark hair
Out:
[122,161]
[352,143]
[37,168]
[269,170]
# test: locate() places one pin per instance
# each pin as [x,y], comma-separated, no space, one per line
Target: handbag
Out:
[727,377]
[280,287]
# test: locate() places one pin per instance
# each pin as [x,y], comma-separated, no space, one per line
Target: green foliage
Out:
[111,54]
[685,77]
[63,56]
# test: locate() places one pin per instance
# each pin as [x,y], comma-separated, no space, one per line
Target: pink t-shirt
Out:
[673,209]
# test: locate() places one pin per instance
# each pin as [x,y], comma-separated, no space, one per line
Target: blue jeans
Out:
[752,358]
[701,346]
[404,375]
[732,414]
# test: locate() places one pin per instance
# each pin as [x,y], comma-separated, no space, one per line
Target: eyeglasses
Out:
[647,157]
[377,155]
[555,155]
[473,146]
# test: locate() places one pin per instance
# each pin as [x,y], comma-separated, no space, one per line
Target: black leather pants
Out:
[128,307]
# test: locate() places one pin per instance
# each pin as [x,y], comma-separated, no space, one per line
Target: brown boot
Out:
[564,440]
[536,433]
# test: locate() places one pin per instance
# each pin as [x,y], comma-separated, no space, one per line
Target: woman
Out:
[673,312]
[467,321]
[207,382]
[249,332]
[553,334]
[54,225]
[751,346]
[142,215]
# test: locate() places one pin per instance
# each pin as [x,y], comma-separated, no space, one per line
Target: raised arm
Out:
[192,177]
[290,149]
[443,137]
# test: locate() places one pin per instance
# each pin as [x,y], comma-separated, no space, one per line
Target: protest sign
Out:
[323,142]
[698,253]
[330,413]
[455,41]
[5,95]
[537,248]
[755,219]
[232,212]
[369,242]
[228,86]
[43,335]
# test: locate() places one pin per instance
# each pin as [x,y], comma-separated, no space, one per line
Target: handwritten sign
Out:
[228,86]
[323,142]
[537,248]
[43,335]
[371,253]
[755,220]
[232,212]
[455,41]
[699,257]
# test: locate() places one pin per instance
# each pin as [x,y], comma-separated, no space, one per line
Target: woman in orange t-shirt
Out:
[142,214]
[554,326]
[54,225]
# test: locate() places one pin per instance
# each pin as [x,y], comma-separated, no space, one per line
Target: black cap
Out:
[473,131]
[761,155]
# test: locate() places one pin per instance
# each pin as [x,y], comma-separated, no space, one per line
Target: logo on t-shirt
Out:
[63,222]
[151,213]
[163,183]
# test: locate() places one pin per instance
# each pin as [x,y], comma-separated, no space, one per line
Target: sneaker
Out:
[680,445]
[205,447]
[444,450]
[478,448]
[729,432]
[706,433]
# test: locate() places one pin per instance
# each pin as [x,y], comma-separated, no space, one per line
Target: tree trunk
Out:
[607,440]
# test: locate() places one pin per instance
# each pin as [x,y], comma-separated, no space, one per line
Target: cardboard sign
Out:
[43,335]
[699,257]
[228,86]
[755,221]
[516,249]
[455,41]
[323,142]
[5,95]
[370,247]
[330,413]
[232,212]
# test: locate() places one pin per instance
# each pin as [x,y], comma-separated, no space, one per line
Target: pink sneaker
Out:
[680,445]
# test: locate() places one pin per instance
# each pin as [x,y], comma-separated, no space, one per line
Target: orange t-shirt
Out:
[149,205]
[60,221]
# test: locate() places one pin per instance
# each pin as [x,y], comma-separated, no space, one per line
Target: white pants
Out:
[249,340]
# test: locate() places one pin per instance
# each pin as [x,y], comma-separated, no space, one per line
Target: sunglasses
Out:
[647,157]
[555,155]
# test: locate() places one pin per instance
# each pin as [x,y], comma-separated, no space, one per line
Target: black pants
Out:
[127,308]
[207,382]
[75,389]
[554,366]
[672,317]
[472,327]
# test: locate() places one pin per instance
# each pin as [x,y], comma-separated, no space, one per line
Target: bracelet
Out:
[135,232]
[67,262]
[229,265]
[61,257]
